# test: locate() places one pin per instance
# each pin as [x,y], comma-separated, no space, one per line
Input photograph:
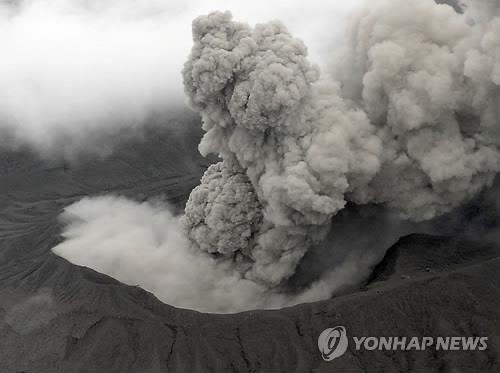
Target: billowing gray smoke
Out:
[232,215]
[411,122]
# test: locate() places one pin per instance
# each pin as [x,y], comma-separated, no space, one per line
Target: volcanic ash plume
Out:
[231,216]
[412,123]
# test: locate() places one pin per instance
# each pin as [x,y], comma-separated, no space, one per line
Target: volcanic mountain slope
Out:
[58,317]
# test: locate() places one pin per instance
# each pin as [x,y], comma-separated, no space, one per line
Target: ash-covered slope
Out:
[57,317]
[420,255]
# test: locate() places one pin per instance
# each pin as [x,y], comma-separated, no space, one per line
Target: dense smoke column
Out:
[301,146]
[415,125]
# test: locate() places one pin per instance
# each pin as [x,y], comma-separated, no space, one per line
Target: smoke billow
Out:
[407,118]
[232,216]
[413,124]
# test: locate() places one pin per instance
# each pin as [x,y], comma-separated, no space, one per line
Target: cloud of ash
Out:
[409,124]
[144,244]
[412,124]
[79,74]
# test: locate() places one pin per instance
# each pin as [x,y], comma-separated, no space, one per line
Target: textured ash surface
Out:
[57,317]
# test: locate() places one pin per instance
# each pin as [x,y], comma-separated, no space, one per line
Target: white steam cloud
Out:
[411,122]
[71,69]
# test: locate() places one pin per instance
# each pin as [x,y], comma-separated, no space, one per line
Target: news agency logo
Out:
[333,343]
